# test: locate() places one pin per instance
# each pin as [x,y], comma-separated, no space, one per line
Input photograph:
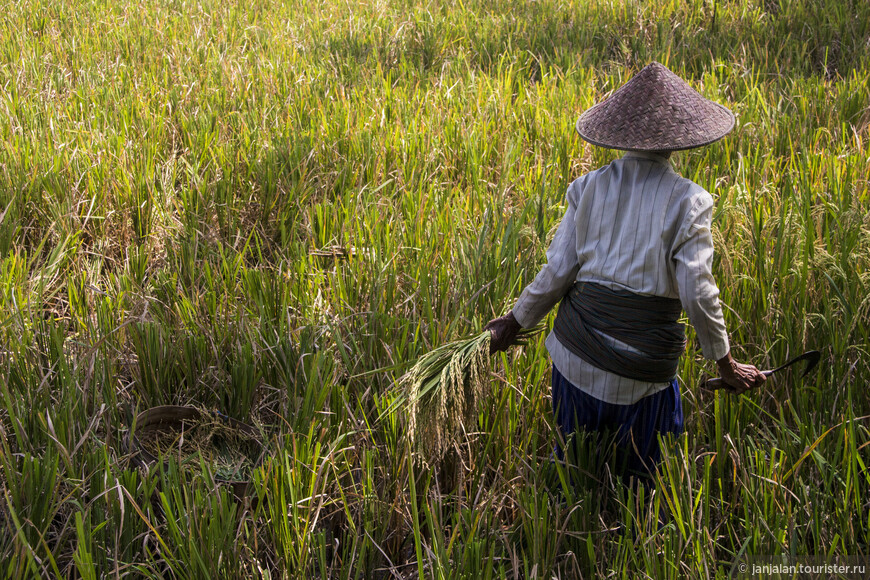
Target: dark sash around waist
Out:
[646,323]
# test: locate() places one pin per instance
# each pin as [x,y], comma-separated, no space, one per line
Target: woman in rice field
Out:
[633,250]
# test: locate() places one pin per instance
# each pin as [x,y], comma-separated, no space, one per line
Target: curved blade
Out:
[811,356]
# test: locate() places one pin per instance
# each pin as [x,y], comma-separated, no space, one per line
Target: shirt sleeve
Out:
[693,257]
[558,274]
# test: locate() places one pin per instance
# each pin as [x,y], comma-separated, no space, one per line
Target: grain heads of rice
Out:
[444,389]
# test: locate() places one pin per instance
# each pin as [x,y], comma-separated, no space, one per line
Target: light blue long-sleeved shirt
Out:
[634,224]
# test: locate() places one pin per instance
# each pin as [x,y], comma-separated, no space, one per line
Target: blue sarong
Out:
[635,427]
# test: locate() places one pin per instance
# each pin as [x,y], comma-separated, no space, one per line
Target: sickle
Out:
[811,356]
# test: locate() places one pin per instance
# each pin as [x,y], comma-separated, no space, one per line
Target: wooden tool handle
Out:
[713,384]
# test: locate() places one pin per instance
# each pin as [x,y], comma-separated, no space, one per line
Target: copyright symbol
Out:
[742,567]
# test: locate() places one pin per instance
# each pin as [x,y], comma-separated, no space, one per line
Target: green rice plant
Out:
[294,487]
[196,529]
[157,373]
[467,552]
[244,375]
[83,556]
[31,514]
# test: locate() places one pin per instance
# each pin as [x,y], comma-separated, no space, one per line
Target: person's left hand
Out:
[504,330]
[739,377]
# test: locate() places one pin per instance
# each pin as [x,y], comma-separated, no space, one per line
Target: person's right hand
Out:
[738,377]
[504,330]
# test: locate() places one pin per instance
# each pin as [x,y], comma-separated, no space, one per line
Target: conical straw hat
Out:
[655,111]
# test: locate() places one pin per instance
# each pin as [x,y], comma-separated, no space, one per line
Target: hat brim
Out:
[655,111]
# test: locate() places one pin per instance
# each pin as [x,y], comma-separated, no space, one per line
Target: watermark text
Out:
[802,567]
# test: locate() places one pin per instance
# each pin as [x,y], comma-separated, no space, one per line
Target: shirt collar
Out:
[646,155]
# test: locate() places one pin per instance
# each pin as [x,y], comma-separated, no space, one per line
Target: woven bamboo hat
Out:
[655,111]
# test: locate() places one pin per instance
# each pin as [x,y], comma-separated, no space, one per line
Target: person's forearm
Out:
[700,297]
[554,278]
[709,324]
[538,298]
[699,293]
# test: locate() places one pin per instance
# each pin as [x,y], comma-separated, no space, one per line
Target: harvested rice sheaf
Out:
[444,389]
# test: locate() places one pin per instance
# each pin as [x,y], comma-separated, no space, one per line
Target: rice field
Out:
[273,209]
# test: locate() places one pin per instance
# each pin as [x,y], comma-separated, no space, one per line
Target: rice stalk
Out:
[443,391]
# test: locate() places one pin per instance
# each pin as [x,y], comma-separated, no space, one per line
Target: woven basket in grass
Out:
[191,435]
[442,392]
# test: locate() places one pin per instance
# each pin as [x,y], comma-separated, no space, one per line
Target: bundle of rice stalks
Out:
[443,390]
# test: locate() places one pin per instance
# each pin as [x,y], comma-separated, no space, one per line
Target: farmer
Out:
[633,250]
